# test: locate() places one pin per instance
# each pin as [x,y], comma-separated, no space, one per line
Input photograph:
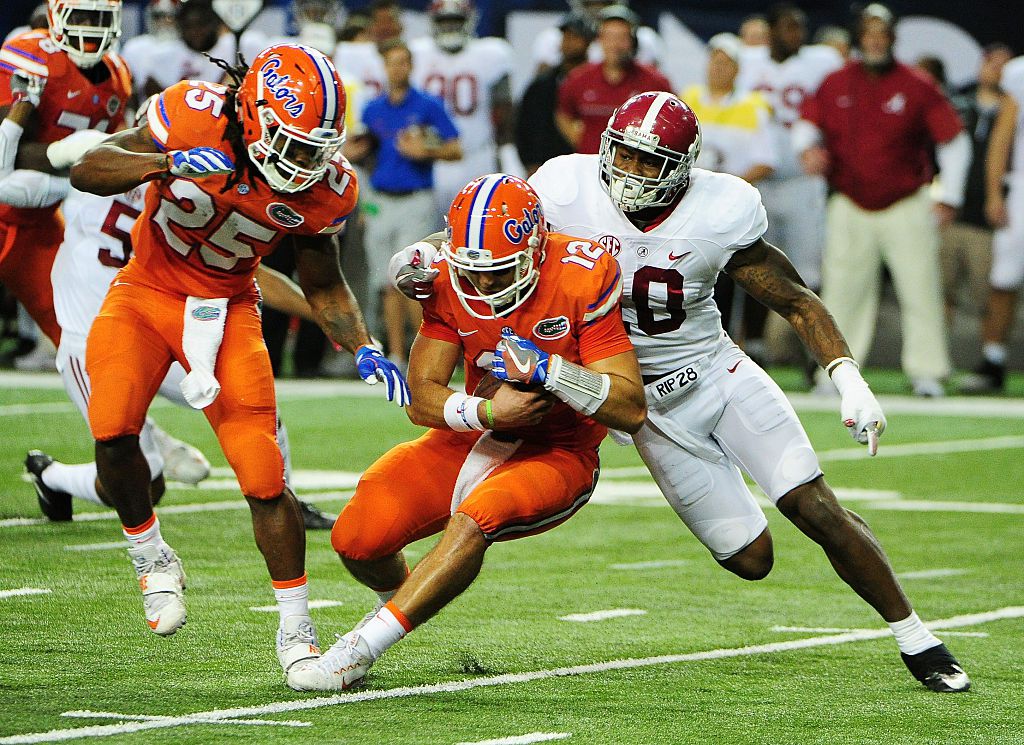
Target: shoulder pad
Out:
[29,52]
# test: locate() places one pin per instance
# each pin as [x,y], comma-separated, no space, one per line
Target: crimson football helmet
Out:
[85,29]
[495,224]
[452,22]
[662,125]
[291,104]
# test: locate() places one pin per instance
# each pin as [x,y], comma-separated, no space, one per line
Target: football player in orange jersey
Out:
[187,294]
[541,310]
[82,85]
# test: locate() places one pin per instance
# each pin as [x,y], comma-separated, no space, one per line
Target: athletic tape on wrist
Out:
[582,389]
[837,362]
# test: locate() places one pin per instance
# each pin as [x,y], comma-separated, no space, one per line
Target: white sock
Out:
[76,480]
[994,352]
[292,597]
[147,534]
[911,635]
[381,632]
[385,595]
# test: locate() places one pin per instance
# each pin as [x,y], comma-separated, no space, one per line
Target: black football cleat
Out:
[987,379]
[938,670]
[56,505]
[314,519]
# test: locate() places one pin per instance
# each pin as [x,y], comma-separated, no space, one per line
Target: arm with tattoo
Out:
[334,306]
[765,273]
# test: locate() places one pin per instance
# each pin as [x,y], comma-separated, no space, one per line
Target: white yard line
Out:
[522,739]
[24,591]
[199,720]
[312,604]
[921,505]
[641,565]
[97,546]
[931,573]
[602,615]
[293,704]
[829,630]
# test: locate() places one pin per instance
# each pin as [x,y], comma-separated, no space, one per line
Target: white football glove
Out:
[860,411]
[410,272]
[25,87]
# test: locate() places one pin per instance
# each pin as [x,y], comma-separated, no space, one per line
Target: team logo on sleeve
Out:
[551,328]
[284,215]
[611,244]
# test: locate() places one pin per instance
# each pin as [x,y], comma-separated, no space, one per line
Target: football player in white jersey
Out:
[471,75]
[787,71]
[711,409]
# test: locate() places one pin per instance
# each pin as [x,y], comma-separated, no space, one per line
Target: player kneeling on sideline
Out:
[541,310]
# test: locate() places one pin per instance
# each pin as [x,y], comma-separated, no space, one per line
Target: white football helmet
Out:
[85,29]
[452,22]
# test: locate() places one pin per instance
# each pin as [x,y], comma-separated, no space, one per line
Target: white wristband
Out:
[461,413]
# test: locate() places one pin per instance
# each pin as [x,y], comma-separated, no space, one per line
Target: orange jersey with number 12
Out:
[195,238]
[574,312]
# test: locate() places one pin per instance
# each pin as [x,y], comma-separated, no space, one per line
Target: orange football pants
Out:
[406,495]
[132,343]
[26,258]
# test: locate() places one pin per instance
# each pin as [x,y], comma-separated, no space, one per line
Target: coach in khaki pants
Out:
[870,129]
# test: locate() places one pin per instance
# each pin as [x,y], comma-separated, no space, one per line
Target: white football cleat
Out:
[162,581]
[341,667]
[182,462]
[296,642]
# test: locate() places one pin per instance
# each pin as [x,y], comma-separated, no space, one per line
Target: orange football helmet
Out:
[496,224]
[85,29]
[291,104]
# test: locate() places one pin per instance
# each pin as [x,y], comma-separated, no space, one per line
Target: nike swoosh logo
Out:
[515,361]
[467,333]
[733,368]
[72,94]
[673,257]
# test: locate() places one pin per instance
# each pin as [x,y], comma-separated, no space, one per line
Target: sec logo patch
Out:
[611,244]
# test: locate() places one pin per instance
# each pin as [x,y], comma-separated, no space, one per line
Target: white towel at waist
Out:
[486,455]
[200,341]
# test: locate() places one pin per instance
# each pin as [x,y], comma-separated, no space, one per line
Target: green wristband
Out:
[489,413]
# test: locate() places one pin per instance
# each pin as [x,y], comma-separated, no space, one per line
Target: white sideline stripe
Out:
[48,407]
[24,591]
[931,573]
[522,739]
[920,505]
[993,407]
[640,565]
[828,630]
[602,615]
[203,720]
[97,546]
[312,604]
[281,707]
[171,509]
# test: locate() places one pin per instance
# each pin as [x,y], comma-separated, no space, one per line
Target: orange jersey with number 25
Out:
[195,238]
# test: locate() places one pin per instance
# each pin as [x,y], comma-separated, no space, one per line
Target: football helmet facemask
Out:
[85,29]
[495,225]
[659,124]
[452,22]
[291,104]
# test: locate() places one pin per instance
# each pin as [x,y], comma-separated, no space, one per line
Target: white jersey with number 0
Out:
[668,272]
[785,85]
[97,243]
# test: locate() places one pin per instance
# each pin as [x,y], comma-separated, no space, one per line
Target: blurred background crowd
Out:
[918,249]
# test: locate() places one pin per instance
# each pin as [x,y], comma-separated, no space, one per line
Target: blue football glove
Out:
[519,360]
[374,366]
[199,162]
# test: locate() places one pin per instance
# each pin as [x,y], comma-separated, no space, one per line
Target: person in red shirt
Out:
[541,311]
[591,92]
[870,128]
